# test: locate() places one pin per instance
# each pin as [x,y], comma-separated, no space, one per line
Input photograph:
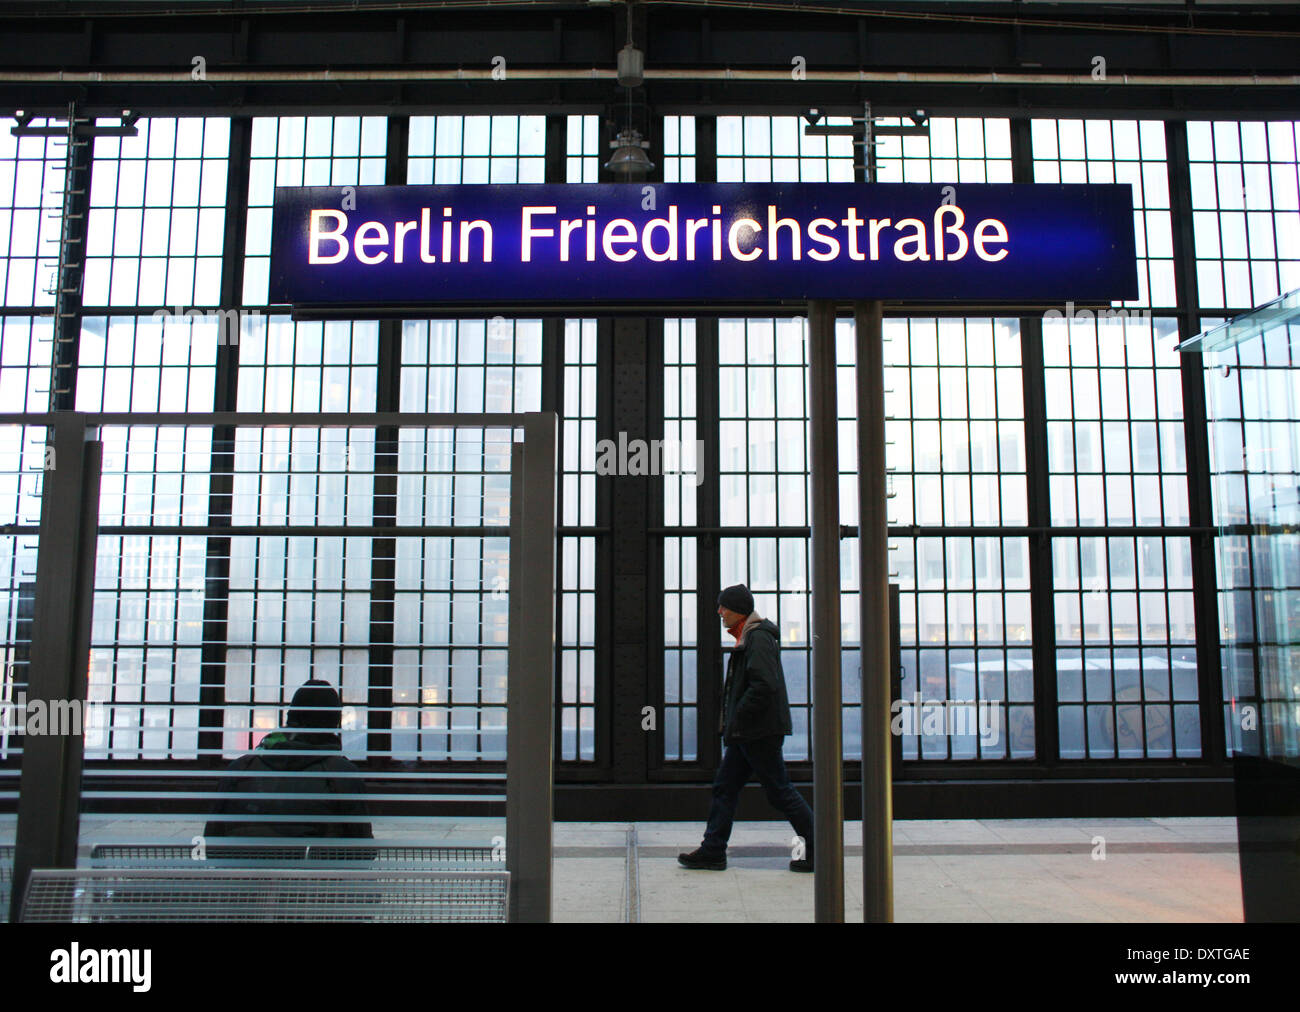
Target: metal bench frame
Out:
[226,895]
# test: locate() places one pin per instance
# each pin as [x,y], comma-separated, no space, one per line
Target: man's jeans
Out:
[759,757]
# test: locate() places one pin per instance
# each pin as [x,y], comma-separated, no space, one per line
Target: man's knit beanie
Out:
[737,599]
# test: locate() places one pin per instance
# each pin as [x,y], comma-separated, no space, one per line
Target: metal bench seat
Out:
[104,895]
[339,854]
[403,856]
[181,855]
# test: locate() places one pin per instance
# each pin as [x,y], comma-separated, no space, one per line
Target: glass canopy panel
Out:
[1252,369]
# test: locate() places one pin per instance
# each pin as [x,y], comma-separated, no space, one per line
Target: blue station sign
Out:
[700,243]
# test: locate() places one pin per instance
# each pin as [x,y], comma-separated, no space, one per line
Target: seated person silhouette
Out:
[304,758]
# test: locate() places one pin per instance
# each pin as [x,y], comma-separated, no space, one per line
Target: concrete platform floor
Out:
[1119,870]
[1149,870]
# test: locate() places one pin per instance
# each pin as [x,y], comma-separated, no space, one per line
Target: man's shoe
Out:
[701,859]
[801,865]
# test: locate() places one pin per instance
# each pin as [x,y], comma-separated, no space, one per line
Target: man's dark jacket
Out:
[755,704]
[306,771]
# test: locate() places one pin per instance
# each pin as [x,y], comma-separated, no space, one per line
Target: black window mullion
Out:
[1038,487]
[1197,452]
[805,543]
[654,686]
[708,674]
[216,597]
[1168,649]
[1137,568]
[383,551]
[553,369]
[604,625]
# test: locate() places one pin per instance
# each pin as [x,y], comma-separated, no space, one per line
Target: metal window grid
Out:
[303,151]
[1119,151]
[681,635]
[584,126]
[1245,200]
[577,598]
[157,215]
[32,171]
[477,149]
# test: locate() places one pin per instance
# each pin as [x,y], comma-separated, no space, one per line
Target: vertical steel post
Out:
[635,559]
[221,469]
[708,557]
[873,567]
[1042,605]
[515,665]
[383,550]
[530,692]
[827,715]
[49,793]
[1196,440]
[708,547]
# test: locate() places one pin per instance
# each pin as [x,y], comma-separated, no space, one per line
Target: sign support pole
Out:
[828,733]
[873,567]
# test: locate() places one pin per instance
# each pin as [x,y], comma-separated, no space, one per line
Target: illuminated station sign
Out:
[696,243]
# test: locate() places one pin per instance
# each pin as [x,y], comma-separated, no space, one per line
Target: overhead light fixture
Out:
[631,66]
[630,160]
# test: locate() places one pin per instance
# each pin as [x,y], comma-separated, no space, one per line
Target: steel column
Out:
[827,713]
[49,793]
[708,557]
[708,571]
[634,413]
[514,743]
[1042,575]
[221,470]
[1196,439]
[530,752]
[383,550]
[873,567]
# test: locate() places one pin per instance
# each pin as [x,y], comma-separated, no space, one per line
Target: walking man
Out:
[755,721]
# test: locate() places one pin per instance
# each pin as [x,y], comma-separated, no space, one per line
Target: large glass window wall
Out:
[1126,680]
